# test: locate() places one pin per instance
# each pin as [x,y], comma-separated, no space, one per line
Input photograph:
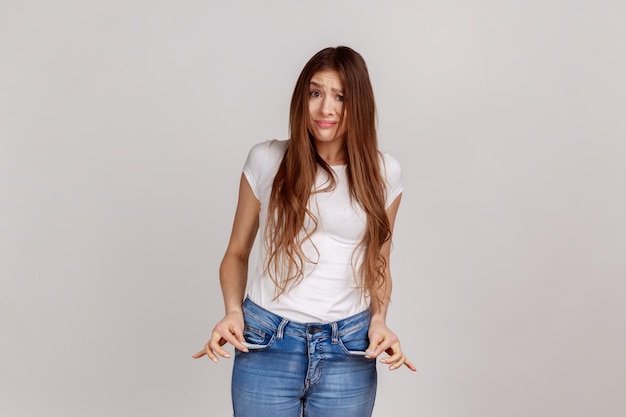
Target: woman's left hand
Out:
[382,339]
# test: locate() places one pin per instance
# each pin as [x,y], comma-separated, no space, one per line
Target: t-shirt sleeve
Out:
[392,171]
[253,168]
[261,165]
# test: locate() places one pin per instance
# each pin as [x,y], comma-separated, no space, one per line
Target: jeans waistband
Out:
[281,325]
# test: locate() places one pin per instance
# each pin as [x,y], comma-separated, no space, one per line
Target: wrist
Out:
[234,311]
[378,318]
[233,305]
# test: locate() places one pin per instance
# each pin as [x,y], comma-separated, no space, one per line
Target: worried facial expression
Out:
[326,106]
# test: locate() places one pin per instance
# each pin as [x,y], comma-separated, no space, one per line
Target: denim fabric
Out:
[297,369]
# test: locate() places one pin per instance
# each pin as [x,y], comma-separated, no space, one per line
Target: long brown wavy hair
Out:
[290,223]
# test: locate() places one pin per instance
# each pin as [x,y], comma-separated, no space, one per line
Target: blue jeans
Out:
[297,369]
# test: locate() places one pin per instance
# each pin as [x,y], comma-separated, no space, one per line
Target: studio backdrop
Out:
[124,126]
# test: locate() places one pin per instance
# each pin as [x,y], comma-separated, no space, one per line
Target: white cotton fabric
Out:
[329,290]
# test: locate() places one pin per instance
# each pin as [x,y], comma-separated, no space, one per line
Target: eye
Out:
[339,98]
[315,94]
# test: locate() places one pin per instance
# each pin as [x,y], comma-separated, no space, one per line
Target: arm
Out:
[382,339]
[233,275]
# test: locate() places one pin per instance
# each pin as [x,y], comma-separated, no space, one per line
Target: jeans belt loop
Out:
[334,335]
[281,327]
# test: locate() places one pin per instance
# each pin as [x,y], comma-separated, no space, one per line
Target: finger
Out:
[377,346]
[199,354]
[397,363]
[233,335]
[373,352]
[209,352]
[410,365]
[217,350]
[206,351]
[388,344]
[238,340]
[233,340]
[403,361]
[377,352]
[220,340]
[369,352]
[394,356]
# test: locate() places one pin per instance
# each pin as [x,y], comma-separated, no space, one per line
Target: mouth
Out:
[325,124]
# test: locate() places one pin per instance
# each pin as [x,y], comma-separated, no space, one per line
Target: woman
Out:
[312,322]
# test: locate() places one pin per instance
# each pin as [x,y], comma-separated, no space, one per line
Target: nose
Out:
[327,107]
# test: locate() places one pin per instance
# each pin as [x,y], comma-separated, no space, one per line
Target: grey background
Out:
[124,126]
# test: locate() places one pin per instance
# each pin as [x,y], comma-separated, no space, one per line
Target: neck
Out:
[333,153]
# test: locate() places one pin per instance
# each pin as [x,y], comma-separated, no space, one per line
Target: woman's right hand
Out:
[228,330]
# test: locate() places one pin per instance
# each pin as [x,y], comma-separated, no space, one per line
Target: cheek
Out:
[310,112]
[344,123]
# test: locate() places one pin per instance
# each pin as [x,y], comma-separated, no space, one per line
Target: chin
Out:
[326,136]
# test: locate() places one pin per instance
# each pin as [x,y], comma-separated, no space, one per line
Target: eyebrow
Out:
[318,85]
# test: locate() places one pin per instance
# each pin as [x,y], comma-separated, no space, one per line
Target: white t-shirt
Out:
[329,290]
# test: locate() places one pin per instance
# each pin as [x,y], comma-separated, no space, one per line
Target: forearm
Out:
[233,279]
[379,301]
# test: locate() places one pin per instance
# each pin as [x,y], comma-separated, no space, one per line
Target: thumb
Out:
[371,348]
[238,333]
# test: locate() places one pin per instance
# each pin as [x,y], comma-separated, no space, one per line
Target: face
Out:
[325,106]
